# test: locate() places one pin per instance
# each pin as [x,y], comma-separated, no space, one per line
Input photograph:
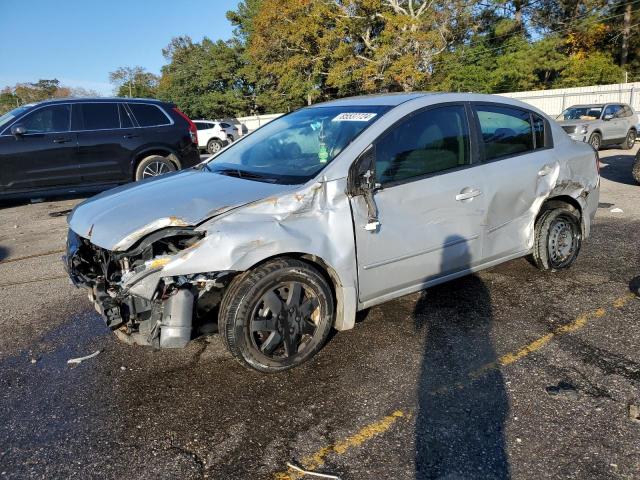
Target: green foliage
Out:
[284,55]
[202,78]
[134,82]
[43,89]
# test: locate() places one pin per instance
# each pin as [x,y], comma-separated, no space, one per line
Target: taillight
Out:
[193,131]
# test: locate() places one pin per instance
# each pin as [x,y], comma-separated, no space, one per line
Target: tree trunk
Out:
[626,31]
[518,13]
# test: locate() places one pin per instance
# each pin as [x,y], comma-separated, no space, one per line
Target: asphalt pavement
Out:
[510,373]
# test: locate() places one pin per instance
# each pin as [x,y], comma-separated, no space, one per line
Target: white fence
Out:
[553,102]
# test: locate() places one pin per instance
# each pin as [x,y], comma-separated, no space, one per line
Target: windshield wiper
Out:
[236,172]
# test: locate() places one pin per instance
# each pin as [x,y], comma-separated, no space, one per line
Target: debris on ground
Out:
[61,213]
[76,361]
[605,205]
[563,389]
[634,413]
[616,210]
[314,474]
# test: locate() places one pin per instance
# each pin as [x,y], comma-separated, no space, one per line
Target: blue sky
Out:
[80,42]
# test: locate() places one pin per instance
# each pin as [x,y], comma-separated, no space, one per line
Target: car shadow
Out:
[462,400]
[617,168]
[4,253]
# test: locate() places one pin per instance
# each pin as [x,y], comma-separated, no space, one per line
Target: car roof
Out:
[387,99]
[99,100]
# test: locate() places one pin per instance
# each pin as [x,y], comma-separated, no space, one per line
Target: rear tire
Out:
[630,140]
[595,140]
[214,146]
[635,170]
[153,166]
[276,316]
[558,237]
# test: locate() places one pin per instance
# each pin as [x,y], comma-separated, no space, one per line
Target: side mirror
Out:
[607,117]
[362,174]
[18,130]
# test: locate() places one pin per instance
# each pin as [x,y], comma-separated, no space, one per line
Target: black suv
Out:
[78,145]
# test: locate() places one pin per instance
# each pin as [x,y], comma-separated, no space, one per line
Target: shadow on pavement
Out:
[617,168]
[4,253]
[459,429]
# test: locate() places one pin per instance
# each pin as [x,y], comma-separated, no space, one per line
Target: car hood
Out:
[574,122]
[118,218]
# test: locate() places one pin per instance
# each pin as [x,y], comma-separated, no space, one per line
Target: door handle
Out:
[129,135]
[61,140]
[546,170]
[468,194]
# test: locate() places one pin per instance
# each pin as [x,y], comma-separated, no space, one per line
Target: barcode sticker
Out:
[354,117]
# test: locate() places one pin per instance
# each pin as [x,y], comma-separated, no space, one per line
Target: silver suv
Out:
[601,124]
[328,210]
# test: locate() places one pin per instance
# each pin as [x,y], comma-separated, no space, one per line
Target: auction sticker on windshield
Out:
[354,117]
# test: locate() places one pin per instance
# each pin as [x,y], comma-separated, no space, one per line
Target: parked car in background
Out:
[601,124]
[329,210]
[64,145]
[214,135]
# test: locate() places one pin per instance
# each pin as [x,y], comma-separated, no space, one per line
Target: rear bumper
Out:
[190,156]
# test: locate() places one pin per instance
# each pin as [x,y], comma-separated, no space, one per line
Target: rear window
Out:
[505,131]
[148,115]
[100,116]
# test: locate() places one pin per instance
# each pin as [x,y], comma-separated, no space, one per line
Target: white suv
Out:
[212,135]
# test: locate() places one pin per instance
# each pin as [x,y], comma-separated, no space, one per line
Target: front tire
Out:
[595,140]
[630,140]
[635,170]
[214,146]
[276,316]
[558,237]
[153,166]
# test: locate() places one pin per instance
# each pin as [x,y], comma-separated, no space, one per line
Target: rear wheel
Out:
[276,316]
[630,140]
[558,237]
[214,146]
[595,140]
[154,166]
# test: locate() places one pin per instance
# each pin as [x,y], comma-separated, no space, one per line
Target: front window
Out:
[294,148]
[50,119]
[591,112]
[12,114]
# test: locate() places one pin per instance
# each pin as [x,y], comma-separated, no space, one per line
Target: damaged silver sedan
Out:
[329,210]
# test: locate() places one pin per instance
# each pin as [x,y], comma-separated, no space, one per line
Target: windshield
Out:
[591,112]
[294,148]
[11,114]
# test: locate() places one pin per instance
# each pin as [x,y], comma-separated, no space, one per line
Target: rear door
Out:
[614,128]
[520,166]
[45,157]
[107,140]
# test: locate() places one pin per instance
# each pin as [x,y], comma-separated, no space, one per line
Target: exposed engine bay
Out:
[139,306]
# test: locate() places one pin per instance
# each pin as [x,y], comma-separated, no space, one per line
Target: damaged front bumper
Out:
[136,301]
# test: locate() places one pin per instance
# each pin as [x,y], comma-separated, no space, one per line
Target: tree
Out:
[203,78]
[134,82]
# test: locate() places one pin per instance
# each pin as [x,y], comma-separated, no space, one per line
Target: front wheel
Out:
[595,141]
[630,140]
[635,170]
[276,316]
[558,238]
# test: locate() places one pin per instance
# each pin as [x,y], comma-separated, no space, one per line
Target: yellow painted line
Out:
[317,459]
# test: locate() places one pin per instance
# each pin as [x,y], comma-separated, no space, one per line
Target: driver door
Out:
[45,156]
[430,205]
